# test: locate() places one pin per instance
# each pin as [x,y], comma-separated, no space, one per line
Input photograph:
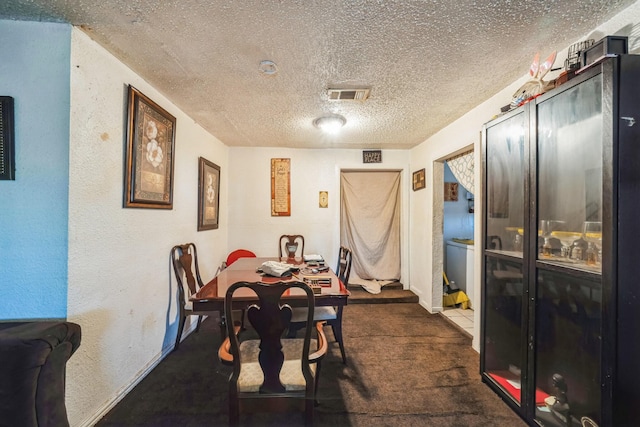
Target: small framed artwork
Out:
[419,180]
[149,158]
[450,191]
[372,156]
[323,199]
[208,194]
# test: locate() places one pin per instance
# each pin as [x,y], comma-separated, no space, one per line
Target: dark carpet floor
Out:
[406,367]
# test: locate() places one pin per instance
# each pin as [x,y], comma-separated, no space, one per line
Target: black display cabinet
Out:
[560,334]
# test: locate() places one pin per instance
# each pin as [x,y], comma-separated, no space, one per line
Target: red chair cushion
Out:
[239,253]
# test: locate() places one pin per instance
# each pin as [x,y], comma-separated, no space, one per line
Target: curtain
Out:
[462,168]
[370,223]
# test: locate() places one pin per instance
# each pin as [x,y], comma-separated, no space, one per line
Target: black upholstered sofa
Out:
[33,357]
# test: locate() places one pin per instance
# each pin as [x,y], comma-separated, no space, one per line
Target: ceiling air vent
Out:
[351,94]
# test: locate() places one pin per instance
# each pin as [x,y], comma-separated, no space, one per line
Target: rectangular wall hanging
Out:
[419,181]
[372,156]
[280,187]
[150,144]
[208,194]
[450,191]
[7,141]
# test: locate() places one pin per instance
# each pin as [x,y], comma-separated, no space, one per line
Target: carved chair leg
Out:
[317,381]
[308,412]
[336,326]
[234,412]
[180,328]
[198,324]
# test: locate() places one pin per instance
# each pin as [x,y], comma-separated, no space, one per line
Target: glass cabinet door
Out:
[569,304]
[569,161]
[568,340]
[504,337]
[505,186]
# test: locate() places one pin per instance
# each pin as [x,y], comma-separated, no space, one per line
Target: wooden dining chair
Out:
[291,246]
[328,314]
[270,369]
[184,259]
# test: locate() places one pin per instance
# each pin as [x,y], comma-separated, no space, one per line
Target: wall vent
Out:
[350,94]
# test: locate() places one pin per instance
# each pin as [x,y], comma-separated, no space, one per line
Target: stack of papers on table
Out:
[313,258]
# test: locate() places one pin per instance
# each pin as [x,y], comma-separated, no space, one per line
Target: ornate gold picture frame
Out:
[149,157]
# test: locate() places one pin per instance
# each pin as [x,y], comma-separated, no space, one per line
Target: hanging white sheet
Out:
[370,218]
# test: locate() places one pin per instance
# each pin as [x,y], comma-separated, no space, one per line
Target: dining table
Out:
[211,296]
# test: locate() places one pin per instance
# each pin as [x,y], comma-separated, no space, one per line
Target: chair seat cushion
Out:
[319,314]
[251,376]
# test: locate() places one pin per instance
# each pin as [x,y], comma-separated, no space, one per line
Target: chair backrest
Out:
[291,245]
[343,270]
[185,262]
[270,318]
[237,254]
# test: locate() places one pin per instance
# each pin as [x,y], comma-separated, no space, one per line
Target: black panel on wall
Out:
[7,141]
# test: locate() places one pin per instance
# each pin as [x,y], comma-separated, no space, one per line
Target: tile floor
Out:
[461,318]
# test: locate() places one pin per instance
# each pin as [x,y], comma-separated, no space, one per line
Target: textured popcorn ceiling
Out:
[427,62]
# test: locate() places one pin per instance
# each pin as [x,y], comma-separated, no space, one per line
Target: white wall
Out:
[119,273]
[251,225]
[454,138]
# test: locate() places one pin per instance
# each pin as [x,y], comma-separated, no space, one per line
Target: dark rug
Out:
[406,367]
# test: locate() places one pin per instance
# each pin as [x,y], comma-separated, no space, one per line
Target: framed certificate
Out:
[280,187]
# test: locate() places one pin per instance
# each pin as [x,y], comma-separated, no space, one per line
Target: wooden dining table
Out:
[211,296]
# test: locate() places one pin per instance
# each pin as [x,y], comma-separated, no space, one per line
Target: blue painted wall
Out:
[34,70]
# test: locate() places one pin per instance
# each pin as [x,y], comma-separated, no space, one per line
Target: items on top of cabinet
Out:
[536,86]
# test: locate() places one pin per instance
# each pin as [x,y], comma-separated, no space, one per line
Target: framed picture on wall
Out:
[450,191]
[208,194]
[419,181]
[280,187]
[149,154]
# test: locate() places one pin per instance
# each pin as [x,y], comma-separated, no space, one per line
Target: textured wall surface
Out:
[34,70]
[121,287]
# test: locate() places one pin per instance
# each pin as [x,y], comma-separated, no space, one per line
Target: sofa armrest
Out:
[33,357]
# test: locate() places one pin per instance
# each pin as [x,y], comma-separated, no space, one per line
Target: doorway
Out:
[455,240]
[370,226]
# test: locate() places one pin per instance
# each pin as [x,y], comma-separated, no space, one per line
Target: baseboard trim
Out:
[96,417]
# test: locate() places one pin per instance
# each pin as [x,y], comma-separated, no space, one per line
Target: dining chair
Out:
[328,314]
[270,369]
[185,266]
[185,263]
[291,245]
[236,255]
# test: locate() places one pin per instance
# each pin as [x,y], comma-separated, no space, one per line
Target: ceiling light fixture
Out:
[330,124]
[268,68]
